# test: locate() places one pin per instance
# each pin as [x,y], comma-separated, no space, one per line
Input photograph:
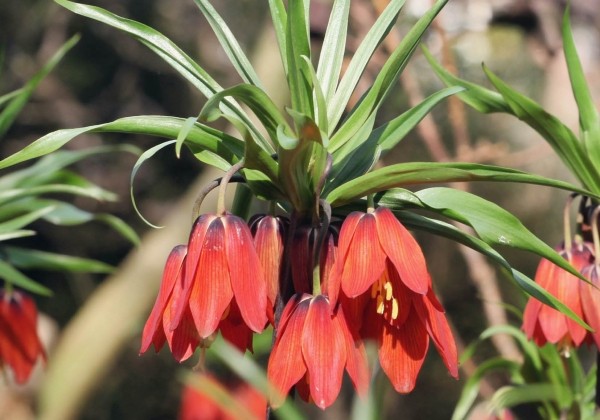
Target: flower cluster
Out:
[20,346]
[335,289]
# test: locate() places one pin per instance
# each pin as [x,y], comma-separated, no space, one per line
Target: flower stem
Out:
[370,203]
[223,187]
[318,246]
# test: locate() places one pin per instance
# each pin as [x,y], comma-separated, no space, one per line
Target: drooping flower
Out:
[20,346]
[313,347]
[222,267]
[214,284]
[247,401]
[367,241]
[183,339]
[385,289]
[269,242]
[544,324]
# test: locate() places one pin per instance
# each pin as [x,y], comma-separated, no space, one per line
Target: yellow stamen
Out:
[380,305]
[395,308]
[388,290]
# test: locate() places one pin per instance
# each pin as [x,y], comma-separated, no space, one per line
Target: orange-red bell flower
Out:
[544,324]
[183,339]
[367,241]
[269,241]
[20,346]
[313,347]
[222,267]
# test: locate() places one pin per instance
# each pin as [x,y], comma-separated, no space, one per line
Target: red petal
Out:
[211,286]
[269,248]
[438,329]
[286,364]
[403,251]
[247,277]
[327,263]
[530,317]
[590,299]
[153,331]
[364,260]
[234,329]
[356,356]
[324,352]
[301,260]
[402,352]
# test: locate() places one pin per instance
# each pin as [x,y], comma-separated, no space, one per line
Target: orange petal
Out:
[286,364]
[364,260]
[437,327]
[153,331]
[402,352]
[530,317]
[324,352]
[403,251]
[211,291]
[247,277]
[268,240]
[356,356]
[590,300]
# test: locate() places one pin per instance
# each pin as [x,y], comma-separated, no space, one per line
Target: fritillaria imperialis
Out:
[20,346]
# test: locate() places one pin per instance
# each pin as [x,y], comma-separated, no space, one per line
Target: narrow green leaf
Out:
[332,51]
[257,100]
[510,396]
[16,234]
[356,67]
[183,134]
[229,43]
[588,114]
[279,17]
[321,104]
[24,220]
[471,388]
[298,45]
[9,274]
[199,138]
[559,136]
[143,158]
[119,226]
[20,98]
[29,259]
[385,80]
[248,370]
[418,173]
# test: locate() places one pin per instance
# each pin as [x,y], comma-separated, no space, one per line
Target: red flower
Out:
[544,324]
[183,339]
[314,345]
[367,241]
[387,293]
[195,405]
[268,239]
[20,346]
[217,285]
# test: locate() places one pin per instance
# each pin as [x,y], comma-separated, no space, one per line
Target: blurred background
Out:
[94,370]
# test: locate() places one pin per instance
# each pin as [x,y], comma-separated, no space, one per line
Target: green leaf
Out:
[248,370]
[229,43]
[279,17]
[19,98]
[480,98]
[23,233]
[385,80]
[321,107]
[9,274]
[418,173]
[559,136]
[183,134]
[360,58]
[24,220]
[471,388]
[29,259]
[298,45]
[510,396]
[257,100]
[332,51]
[199,138]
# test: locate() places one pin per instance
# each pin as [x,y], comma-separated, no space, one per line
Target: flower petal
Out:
[364,260]
[324,352]
[590,300]
[234,329]
[356,356]
[301,252]
[286,364]
[403,251]
[247,277]
[153,330]
[268,241]
[402,352]
[211,291]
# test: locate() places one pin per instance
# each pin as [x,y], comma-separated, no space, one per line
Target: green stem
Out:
[370,203]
